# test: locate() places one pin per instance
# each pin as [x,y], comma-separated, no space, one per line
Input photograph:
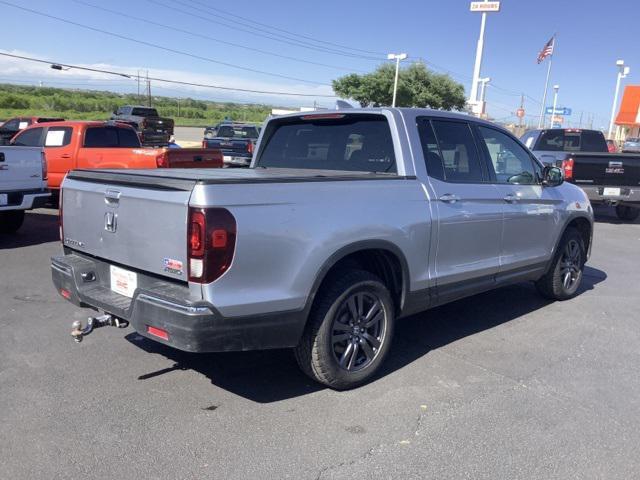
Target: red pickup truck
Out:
[72,144]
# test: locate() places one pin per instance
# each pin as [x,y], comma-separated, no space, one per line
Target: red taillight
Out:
[567,168]
[250,147]
[162,160]
[144,123]
[65,293]
[211,241]
[204,144]
[158,332]
[43,159]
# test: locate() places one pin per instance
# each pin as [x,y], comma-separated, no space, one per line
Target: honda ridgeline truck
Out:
[345,222]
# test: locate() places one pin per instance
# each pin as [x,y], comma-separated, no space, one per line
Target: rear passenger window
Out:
[29,138]
[101,137]
[58,137]
[430,149]
[127,138]
[458,153]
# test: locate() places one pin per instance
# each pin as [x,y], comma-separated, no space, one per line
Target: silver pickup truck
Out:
[23,184]
[346,221]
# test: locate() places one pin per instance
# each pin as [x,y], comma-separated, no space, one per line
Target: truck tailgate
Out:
[20,168]
[606,169]
[192,158]
[127,221]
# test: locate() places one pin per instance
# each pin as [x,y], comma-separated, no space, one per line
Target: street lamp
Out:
[397,57]
[555,102]
[622,73]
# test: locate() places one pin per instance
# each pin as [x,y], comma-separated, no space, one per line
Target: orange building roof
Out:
[629,113]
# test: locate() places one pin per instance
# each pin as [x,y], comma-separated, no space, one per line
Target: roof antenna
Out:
[340,104]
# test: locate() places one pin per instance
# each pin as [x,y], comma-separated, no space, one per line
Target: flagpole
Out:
[541,120]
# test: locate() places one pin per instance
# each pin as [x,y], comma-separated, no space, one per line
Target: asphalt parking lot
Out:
[500,385]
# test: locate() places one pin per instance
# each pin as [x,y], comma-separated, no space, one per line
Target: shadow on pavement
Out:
[273,375]
[39,226]
[607,214]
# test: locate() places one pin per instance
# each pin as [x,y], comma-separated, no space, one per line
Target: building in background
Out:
[628,118]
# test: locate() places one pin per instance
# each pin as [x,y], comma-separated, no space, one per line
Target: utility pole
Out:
[555,104]
[580,123]
[520,119]
[148,90]
[138,85]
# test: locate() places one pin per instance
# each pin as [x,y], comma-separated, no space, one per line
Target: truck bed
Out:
[186,178]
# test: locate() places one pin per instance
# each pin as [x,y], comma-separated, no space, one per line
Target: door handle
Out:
[449,198]
[65,155]
[510,198]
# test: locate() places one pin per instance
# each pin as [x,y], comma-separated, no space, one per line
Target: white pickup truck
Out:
[23,184]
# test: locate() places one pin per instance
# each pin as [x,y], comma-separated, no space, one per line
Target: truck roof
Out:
[85,123]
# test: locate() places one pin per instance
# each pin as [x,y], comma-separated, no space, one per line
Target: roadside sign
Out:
[520,112]
[559,111]
[556,125]
[485,6]
[557,119]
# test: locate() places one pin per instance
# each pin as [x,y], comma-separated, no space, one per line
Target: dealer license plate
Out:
[611,192]
[123,281]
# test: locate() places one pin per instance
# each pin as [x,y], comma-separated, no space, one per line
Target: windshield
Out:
[632,140]
[343,142]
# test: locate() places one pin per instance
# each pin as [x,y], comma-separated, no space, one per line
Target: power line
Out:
[154,45]
[207,37]
[165,80]
[287,31]
[296,43]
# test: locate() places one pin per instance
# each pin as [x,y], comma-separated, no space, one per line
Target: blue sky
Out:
[443,33]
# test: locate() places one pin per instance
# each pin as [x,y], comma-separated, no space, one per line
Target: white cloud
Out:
[25,71]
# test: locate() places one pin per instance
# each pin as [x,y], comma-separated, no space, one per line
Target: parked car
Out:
[611,146]
[346,222]
[154,130]
[631,145]
[23,182]
[236,140]
[583,155]
[12,126]
[92,145]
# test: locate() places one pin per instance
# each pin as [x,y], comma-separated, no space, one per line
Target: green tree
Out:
[417,87]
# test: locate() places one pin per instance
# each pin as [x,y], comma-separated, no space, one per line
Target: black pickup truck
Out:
[607,178]
[153,130]
[236,140]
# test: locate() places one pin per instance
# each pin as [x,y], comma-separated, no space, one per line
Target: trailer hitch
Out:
[78,332]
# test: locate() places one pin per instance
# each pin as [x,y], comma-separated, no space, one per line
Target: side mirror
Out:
[552,176]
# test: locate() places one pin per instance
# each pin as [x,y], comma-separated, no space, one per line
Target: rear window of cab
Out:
[360,142]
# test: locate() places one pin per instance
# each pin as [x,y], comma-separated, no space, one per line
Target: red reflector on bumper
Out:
[65,293]
[158,332]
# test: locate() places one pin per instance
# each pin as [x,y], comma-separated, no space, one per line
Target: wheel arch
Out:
[380,257]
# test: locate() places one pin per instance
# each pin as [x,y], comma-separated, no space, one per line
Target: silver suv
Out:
[346,221]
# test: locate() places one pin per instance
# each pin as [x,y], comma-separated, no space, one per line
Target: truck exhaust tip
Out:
[78,332]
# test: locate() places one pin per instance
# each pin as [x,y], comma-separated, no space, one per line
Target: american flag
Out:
[546,50]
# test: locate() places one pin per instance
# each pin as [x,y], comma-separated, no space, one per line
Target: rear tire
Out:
[562,280]
[629,214]
[349,330]
[11,221]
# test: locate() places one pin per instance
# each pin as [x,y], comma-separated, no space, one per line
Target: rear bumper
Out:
[26,200]
[192,325]
[627,196]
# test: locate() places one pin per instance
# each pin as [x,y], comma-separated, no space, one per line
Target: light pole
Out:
[622,72]
[397,57]
[483,92]
[555,103]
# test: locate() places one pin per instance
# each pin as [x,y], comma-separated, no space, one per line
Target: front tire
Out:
[627,213]
[11,221]
[349,331]
[563,279]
